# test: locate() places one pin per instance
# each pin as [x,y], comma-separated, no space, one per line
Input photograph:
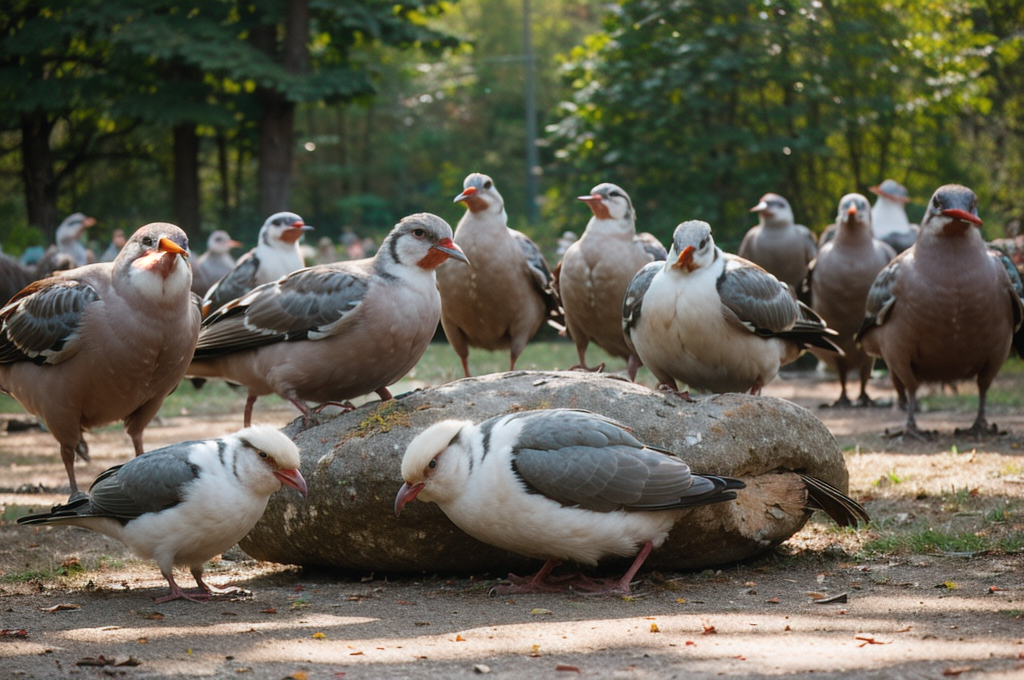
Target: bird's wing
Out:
[823,496]
[882,295]
[754,299]
[41,323]
[803,293]
[234,284]
[1016,294]
[543,280]
[633,300]
[309,304]
[581,459]
[152,482]
[651,246]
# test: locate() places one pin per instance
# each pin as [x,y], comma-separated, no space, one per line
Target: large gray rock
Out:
[353,462]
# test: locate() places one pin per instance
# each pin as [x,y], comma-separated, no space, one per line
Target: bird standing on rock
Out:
[716,321]
[777,243]
[595,271]
[184,504]
[103,342]
[276,253]
[839,280]
[503,298]
[335,331]
[215,263]
[944,309]
[556,485]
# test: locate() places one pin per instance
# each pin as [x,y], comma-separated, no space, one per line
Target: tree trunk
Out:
[224,174]
[185,196]
[37,163]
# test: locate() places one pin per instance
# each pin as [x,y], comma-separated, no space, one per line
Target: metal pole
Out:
[532,161]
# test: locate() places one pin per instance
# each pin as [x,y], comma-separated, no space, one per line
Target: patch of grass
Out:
[29,575]
[928,541]
[891,477]
[957,499]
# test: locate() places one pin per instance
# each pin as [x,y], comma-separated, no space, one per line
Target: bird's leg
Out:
[980,428]
[865,374]
[624,582]
[633,365]
[82,449]
[538,584]
[247,416]
[197,574]
[669,385]
[67,455]
[755,389]
[137,443]
[465,365]
[384,394]
[177,593]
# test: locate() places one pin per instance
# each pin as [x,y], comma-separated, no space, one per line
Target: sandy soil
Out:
[906,614]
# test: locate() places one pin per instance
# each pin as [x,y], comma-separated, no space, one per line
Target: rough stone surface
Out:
[352,464]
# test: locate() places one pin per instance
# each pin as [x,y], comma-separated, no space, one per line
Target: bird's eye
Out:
[419,233]
[488,184]
[147,240]
[703,242]
[263,454]
[432,464]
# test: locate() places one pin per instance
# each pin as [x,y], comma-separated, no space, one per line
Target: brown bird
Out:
[103,342]
[14,275]
[502,299]
[944,309]
[215,263]
[839,280]
[777,243]
[334,331]
[595,271]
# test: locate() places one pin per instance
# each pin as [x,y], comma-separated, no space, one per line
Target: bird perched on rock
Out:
[69,238]
[215,263]
[777,243]
[503,298]
[556,485]
[838,281]
[184,504]
[276,254]
[103,342]
[334,331]
[944,309]
[592,277]
[714,320]
[889,216]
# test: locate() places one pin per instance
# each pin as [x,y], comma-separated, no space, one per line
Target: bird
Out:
[777,243]
[838,281]
[325,251]
[102,342]
[889,215]
[714,320]
[945,308]
[503,298]
[14,275]
[183,504]
[593,275]
[117,241]
[556,484]
[276,254]
[68,237]
[215,263]
[334,331]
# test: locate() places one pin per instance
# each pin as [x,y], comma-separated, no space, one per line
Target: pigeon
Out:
[778,244]
[276,254]
[69,238]
[14,275]
[503,298]
[714,320]
[838,281]
[333,331]
[215,263]
[186,503]
[944,309]
[889,216]
[595,271]
[103,342]
[557,485]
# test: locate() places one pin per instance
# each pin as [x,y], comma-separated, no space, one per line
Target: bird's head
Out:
[891,190]
[952,210]
[423,240]
[73,226]
[157,248]
[220,242]
[609,202]
[773,209]
[692,247]
[283,229]
[854,211]
[480,194]
[272,457]
[435,464]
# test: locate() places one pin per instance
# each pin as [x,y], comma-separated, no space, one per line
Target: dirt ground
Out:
[70,598]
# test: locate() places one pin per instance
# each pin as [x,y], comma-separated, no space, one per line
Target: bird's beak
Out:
[169,246]
[759,207]
[466,193]
[406,494]
[592,197]
[448,247]
[852,210]
[962,215]
[597,206]
[88,222]
[294,479]
[297,229]
[234,244]
[685,258]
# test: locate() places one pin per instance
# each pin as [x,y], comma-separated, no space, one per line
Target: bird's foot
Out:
[979,430]
[313,417]
[842,402]
[583,367]
[684,395]
[864,401]
[575,582]
[913,432]
[178,594]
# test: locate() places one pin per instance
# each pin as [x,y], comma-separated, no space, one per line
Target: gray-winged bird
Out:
[69,238]
[889,215]
[103,342]
[335,331]
[183,504]
[777,243]
[215,263]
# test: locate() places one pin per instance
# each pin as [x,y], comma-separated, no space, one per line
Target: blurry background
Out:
[352,113]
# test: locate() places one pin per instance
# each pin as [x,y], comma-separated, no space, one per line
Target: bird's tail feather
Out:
[836,504]
[57,512]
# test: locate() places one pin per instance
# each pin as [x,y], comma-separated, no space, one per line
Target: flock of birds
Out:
[102,342]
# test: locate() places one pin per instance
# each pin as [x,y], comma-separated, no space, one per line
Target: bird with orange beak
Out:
[103,342]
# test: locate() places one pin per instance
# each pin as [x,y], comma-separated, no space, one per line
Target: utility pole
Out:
[532,161]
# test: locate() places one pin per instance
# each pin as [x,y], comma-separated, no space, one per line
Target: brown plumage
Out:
[944,309]
[14,275]
[839,280]
[103,342]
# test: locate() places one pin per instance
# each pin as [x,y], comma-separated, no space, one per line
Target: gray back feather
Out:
[758,300]
[633,300]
